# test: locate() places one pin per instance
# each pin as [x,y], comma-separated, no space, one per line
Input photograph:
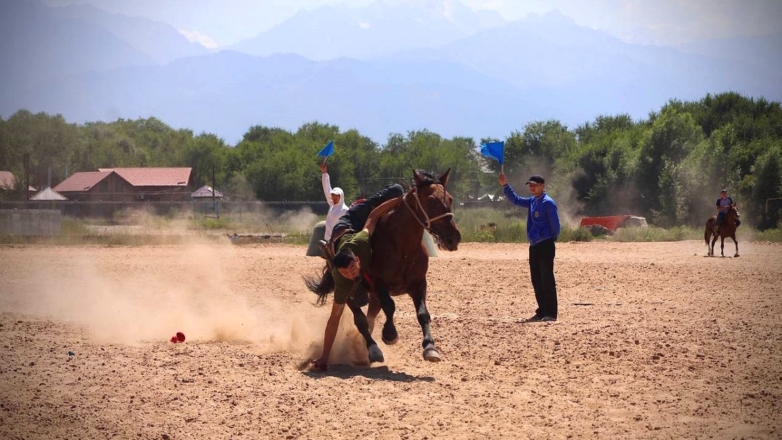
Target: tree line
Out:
[668,167]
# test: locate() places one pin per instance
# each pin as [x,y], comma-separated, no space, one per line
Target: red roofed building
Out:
[128,184]
[96,186]
[157,184]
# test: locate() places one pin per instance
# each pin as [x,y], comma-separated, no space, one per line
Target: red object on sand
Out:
[180,336]
[610,222]
[174,340]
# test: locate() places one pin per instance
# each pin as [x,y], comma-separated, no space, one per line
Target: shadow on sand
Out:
[377,373]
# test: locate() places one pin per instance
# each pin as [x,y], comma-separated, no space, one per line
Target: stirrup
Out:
[327,248]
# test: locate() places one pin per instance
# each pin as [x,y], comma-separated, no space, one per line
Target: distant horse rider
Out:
[723,205]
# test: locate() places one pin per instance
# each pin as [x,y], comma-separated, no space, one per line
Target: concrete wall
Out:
[30,222]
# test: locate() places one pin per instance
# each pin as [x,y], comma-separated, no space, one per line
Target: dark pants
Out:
[721,218]
[541,269]
[357,215]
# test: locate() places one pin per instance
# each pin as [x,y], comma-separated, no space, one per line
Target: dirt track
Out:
[673,345]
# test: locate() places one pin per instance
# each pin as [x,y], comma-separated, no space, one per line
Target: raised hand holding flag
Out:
[327,151]
[496,151]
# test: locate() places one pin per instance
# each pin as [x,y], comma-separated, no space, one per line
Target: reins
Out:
[428,224]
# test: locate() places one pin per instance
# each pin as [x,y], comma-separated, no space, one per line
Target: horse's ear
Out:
[444,178]
[417,177]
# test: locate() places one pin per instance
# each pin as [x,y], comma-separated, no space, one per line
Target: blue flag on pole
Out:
[494,150]
[328,150]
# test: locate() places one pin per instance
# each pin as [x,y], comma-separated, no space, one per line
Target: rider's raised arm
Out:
[379,212]
[326,181]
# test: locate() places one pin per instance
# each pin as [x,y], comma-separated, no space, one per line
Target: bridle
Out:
[428,221]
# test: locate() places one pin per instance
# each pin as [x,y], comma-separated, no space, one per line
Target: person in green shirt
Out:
[352,258]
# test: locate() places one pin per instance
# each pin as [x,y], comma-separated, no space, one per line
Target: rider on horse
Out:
[723,205]
[350,240]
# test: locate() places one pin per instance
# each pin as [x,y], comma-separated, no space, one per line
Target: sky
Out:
[220,23]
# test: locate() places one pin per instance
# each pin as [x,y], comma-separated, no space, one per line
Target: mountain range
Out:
[379,28]
[383,68]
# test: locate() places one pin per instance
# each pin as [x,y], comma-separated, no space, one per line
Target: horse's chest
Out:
[413,265]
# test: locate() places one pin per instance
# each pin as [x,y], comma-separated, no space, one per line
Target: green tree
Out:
[672,137]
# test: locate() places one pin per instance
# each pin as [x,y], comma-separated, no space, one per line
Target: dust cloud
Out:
[139,298]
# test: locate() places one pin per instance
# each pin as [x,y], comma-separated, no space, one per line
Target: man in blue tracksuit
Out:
[542,230]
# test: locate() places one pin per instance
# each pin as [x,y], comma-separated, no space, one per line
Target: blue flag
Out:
[328,150]
[494,150]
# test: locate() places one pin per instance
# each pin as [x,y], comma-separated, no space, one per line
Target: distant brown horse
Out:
[726,229]
[400,260]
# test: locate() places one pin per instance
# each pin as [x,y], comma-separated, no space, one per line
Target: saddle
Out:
[328,247]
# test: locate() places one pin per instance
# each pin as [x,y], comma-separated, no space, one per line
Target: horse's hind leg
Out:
[390,335]
[713,242]
[375,355]
[722,246]
[419,299]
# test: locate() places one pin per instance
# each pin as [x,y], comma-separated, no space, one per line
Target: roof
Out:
[153,176]
[206,192]
[80,182]
[7,180]
[48,194]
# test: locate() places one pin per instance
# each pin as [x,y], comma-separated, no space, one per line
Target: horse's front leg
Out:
[419,299]
[737,246]
[722,246]
[375,355]
[390,335]
[372,311]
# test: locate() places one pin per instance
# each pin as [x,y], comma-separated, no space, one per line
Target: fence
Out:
[109,209]
[39,222]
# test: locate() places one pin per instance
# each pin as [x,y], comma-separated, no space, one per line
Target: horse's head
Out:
[734,211]
[432,208]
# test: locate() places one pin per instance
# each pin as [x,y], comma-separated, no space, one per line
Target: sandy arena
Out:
[653,341]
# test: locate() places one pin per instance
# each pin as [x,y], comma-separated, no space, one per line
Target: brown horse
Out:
[400,260]
[726,229]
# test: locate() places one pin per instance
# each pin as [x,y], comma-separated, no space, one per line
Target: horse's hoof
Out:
[391,341]
[431,355]
[736,256]
[375,355]
[390,336]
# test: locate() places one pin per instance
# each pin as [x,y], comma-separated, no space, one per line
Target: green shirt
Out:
[360,244]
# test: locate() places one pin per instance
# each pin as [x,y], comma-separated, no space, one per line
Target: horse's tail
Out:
[321,285]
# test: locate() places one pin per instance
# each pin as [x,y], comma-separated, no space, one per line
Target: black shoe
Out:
[534,318]
[548,319]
